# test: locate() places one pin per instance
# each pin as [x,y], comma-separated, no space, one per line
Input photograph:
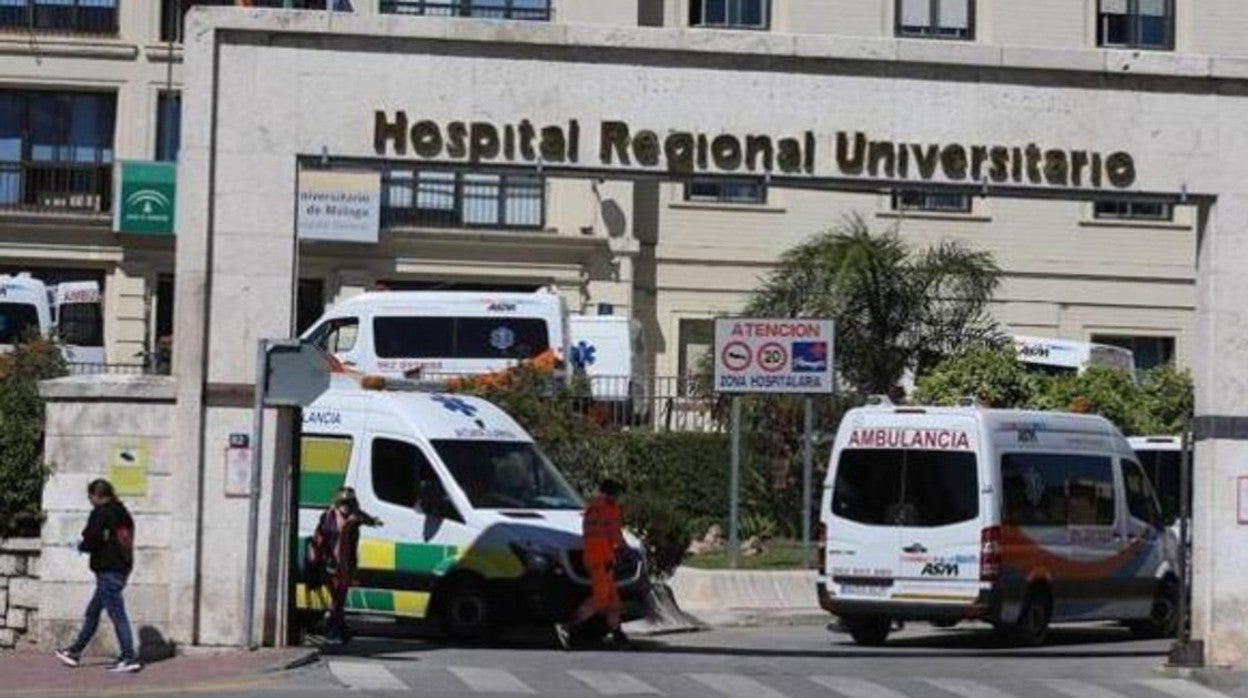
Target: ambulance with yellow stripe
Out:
[480,531]
[1016,518]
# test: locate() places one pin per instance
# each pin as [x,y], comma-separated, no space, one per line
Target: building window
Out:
[726,191]
[56,150]
[931,201]
[1133,210]
[55,16]
[168,126]
[537,10]
[1150,352]
[1145,24]
[729,14]
[936,19]
[173,12]
[462,199]
[696,340]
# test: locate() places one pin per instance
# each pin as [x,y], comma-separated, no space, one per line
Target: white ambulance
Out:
[70,311]
[607,350]
[1011,517]
[480,531]
[441,333]
[1064,356]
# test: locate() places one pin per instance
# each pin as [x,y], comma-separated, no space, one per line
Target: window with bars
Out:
[56,150]
[536,10]
[726,191]
[463,199]
[1147,24]
[730,14]
[1133,210]
[936,19]
[56,16]
[931,201]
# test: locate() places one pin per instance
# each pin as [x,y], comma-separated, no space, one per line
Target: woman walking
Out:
[335,545]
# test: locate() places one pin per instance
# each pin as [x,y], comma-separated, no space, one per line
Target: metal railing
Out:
[459,199]
[533,10]
[87,369]
[56,186]
[64,17]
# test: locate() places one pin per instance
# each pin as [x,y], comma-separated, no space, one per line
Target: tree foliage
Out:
[22,470]
[896,309]
[1160,402]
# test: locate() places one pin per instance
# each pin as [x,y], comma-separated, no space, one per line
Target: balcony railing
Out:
[56,186]
[535,10]
[65,17]
[462,200]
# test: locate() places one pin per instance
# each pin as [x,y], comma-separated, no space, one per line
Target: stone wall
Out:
[94,424]
[19,591]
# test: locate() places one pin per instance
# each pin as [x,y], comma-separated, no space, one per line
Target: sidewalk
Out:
[32,673]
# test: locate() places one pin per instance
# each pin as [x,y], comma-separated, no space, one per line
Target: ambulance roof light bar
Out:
[403,385]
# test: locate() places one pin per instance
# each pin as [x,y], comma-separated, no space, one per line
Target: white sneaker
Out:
[125,666]
[67,658]
[564,634]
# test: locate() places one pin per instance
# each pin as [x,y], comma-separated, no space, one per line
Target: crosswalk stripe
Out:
[1180,688]
[614,683]
[968,689]
[365,676]
[855,688]
[736,686]
[1080,689]
[489,680]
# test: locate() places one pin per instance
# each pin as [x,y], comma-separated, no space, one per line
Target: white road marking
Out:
[855,688]
[489,680]
[614,683]
[736,686]
[968,689]
[365,676]
[1181,689]
[1080,689]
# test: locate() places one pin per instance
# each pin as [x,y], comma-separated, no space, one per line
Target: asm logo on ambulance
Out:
[936,439]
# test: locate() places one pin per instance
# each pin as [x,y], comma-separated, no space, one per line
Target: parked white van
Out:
[70,311]
[1011,517]
[608,350]
[1058,356]
[479,529]
[1162,460]
[441,333]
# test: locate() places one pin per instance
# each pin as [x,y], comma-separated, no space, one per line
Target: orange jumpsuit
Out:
[604,534]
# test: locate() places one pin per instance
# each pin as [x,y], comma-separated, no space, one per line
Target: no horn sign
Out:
[768,355]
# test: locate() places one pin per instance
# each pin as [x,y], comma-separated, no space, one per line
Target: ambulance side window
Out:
[337,336]
[394,471]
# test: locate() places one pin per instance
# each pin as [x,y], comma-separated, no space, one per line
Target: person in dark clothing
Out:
[109,538]
[335,544]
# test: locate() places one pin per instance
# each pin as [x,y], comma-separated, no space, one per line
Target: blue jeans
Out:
[107,597]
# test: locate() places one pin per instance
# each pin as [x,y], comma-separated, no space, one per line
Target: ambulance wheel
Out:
[467,612]
[869,631]
[1164,618]
[1032,628]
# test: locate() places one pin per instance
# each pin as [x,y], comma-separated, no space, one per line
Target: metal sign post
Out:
[1185,652]
[773,356]
[289,373]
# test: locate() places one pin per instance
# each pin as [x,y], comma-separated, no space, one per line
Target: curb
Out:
[303,656]
[1215,678]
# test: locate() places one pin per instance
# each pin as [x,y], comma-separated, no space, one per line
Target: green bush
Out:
[22,470]
[1160,402]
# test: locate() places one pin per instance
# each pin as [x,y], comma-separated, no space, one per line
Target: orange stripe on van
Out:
[1023,554]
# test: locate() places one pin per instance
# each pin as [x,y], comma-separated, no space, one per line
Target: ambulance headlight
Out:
[536,559]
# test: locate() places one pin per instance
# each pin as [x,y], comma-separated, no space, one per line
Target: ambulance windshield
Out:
[17,321]
[506,475]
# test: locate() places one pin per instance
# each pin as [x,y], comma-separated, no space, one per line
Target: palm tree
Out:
[895,309]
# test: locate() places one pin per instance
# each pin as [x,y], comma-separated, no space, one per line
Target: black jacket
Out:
[109,537]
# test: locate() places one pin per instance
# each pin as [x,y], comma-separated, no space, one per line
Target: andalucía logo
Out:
[149,205]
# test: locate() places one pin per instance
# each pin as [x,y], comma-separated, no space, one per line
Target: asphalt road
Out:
[774,662]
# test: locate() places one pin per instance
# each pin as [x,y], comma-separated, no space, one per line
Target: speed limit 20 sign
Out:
[762,355]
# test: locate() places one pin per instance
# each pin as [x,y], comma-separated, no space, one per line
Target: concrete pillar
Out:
[1220,558]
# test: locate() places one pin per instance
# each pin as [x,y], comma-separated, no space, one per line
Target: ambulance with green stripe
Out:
[480,531]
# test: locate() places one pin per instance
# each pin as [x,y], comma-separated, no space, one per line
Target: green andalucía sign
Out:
[146,203]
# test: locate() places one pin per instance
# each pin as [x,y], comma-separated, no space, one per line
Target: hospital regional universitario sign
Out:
[688,152]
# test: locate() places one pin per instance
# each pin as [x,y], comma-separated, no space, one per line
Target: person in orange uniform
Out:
[604,539]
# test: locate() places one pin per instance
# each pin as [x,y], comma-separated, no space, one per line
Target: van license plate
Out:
[864,589]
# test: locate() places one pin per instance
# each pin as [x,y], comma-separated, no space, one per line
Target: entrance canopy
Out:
[269,90]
